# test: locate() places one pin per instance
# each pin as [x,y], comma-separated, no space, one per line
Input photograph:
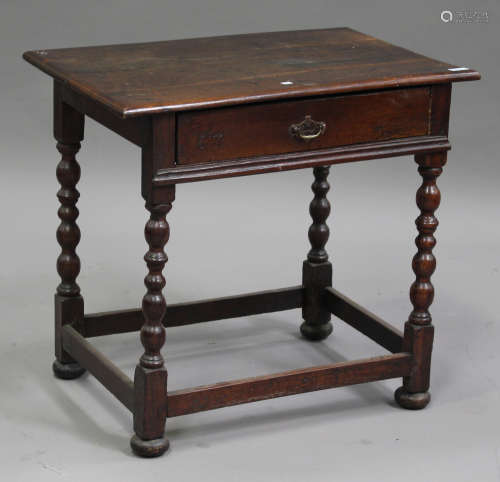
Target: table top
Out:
[148,78]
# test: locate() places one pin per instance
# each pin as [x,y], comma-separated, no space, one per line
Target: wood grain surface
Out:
[146,78]
[263,129]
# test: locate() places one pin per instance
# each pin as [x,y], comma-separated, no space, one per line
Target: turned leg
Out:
[317,270]
[150,380]
[419,332]
[68,130]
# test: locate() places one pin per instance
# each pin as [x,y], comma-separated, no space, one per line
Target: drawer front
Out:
[282,127]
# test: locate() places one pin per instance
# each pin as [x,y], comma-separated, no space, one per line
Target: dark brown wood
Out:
[180,314]
[424,263]
[147,78]
[106,372]
[154,306]
[68,232]
[150,379]
[363,320]
[319,209]
[419,332]
[150,412]
[316,269]
[440,109]
[299,160]
[68,130]
[259,130]
[135,130]
[225,394]
[158,154]
[68,311]
[418,340]
[68,123]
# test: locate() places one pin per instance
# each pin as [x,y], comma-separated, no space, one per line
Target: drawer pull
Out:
[308,129]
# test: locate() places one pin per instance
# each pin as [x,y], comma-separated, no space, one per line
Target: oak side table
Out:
[211,108]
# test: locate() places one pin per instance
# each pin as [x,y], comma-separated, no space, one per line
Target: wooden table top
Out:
[147,78]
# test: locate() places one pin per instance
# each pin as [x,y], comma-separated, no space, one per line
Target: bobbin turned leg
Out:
[68,131]
[317,270]
[150,381]
[419,332]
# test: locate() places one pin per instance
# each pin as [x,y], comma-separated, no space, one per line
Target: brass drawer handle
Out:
[308,129]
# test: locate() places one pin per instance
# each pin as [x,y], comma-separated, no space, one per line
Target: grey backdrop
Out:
[53,430]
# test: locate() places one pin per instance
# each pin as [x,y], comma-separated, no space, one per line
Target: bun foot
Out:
[67,371]
[149,448]
[412,401]
[316,332]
